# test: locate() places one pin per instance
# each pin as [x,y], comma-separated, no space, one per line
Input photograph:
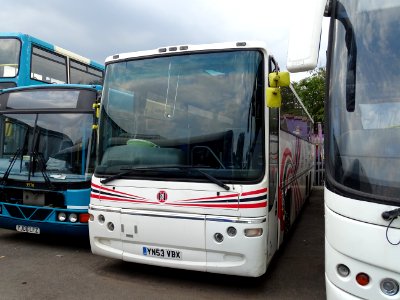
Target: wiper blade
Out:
[42,166]
[213,179]
[118,175]
[182,168]
[10,166]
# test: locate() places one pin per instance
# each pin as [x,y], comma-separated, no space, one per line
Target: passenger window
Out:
[48,67]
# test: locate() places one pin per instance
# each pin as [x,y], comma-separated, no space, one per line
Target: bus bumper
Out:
[178,240]
[334,293]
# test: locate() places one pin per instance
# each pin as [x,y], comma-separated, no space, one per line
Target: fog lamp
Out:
[61,216]
[252,232]
[389,286]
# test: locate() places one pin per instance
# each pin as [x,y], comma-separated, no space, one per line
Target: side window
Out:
[84,74]
[48,67]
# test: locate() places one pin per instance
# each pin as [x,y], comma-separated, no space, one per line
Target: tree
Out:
[311,91]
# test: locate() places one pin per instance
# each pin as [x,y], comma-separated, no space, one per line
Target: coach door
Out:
[273,168]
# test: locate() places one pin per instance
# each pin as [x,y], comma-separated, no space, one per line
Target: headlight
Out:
[61,216]
[110,226]
[218,237]
[73,218]
[389,286]
[231,231]
[101,219]
[343,270]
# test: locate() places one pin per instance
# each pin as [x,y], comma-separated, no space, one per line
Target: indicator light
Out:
[84,218]
[362,279]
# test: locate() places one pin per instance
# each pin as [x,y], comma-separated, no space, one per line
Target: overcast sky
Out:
[100,28]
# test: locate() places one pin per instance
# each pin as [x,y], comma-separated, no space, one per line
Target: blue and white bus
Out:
[47,151]
[26,60]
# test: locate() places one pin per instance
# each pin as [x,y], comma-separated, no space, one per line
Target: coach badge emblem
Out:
[162,196]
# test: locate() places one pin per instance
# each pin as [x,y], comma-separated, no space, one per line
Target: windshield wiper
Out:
[19,153]
[187,169]
[42,166]
[11,165]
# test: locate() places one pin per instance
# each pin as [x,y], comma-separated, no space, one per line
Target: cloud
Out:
[97,29]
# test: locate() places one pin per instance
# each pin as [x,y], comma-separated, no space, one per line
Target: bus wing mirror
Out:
[273,93]
[278,79]
[274,97]
[305,34]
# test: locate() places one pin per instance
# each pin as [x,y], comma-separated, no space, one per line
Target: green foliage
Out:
[311,91]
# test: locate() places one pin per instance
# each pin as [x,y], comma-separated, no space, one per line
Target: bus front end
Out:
[362,136]
[181,176]
[47,158]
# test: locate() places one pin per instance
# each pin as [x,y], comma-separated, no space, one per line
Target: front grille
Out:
[28,213]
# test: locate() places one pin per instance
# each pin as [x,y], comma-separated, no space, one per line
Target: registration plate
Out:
[162,253]
[28,229]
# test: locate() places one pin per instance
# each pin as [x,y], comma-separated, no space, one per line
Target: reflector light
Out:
[253,232]
[61,217]
[84,218]
[343,270]
[389,286]
[73,217]
[362,279]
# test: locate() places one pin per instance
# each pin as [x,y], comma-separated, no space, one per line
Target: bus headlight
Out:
[101,219]
[61,216]
[110,226]
[231,231]
[389,286]
[343,270]
[218,237]
[73,218]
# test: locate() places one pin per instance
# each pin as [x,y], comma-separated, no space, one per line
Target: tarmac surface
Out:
[38,267]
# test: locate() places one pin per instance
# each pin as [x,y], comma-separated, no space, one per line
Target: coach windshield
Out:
[203,111]
[364,104]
